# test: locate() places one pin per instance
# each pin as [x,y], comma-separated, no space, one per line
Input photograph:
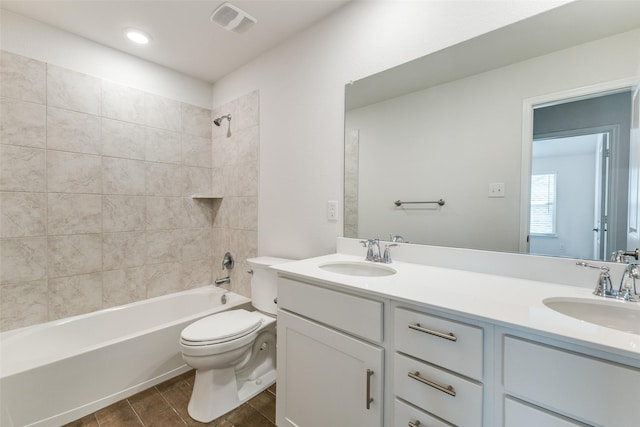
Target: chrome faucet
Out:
[373,249]
[223,281]
[386,257]
[624,256]
[604,288]
[628,290]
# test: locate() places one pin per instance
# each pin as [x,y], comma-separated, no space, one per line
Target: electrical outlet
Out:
[332,210]
[496,189]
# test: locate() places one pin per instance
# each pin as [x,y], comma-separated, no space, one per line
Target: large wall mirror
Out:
[527,134]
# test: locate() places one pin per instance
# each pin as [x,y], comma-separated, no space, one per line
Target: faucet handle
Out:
[386,258]
[604,286]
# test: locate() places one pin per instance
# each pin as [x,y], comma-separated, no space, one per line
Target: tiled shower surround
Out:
[96,181]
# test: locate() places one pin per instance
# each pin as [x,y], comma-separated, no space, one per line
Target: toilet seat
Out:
[220,328]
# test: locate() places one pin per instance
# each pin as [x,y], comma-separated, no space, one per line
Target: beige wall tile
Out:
[23,214]
[22,123]
[196,121]
[119,167]
[196,181]
[196,151]
[23,304]
[74,254]
[164,278]
[123,213]
[23,260]
[198,273]
[73,172]
[248,110]
[123,286]
[120,250]
[123,176]
[164,246]
[162,146]
[72,131]
[163,113]
[198,213]
[164,213]
[73,90]
[22,168]
[74,213]
[122,102]
[122,139]
[22,78]
[246,141]
[74,295]
[163,179]
[197,244]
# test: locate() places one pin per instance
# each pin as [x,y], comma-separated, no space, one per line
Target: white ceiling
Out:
[183,37]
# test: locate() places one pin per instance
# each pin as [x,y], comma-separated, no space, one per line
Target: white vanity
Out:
[433,346]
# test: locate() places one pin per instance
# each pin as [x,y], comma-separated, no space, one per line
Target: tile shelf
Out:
[205,196]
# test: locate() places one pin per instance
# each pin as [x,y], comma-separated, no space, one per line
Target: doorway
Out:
[569,200]
[578,178]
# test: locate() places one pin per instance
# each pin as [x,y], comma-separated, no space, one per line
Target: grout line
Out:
[136,414]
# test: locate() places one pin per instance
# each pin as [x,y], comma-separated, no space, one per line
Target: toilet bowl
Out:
[234,352]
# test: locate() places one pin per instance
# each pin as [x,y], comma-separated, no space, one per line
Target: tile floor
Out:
[165,405]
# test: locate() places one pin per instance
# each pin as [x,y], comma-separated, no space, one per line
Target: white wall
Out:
[301,87]
[36,40]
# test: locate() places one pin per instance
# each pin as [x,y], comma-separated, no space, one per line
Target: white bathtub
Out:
[59,371]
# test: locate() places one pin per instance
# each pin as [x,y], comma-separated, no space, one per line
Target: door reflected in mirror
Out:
[579,168]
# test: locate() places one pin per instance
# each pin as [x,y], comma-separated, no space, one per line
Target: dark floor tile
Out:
[120,414]
[153,410]
[247,416]
[148,402]
[272,389]
[265,403]
[88,421]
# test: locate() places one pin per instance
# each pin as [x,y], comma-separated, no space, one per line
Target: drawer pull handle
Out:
[448,336]
[369,398]
[415,423]
[445,389]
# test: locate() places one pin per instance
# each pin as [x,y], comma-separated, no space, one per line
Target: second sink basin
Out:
[619,315]
[355,268]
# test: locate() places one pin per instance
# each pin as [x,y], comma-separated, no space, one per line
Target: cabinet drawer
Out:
[577,385]
[453,345]
[518,414]
[356,315]
[407,416]
[461,404]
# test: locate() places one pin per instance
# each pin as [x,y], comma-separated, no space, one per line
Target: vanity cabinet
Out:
[331,370]
[438,367]
[581,387]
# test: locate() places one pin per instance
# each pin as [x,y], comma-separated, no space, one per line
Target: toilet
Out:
[234,352]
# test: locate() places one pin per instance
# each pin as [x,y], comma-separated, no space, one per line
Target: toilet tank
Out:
[264,283]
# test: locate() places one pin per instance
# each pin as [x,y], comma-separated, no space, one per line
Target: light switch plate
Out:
[496,189]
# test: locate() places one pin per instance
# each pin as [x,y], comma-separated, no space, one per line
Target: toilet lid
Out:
[221,327]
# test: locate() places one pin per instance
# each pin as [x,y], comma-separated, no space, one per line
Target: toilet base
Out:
[216,392]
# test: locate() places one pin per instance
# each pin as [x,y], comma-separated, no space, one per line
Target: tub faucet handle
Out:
[228,262]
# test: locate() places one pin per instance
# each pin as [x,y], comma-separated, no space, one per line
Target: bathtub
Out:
[59,371]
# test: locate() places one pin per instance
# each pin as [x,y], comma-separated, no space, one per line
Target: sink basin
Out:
[620,315]
[355,268]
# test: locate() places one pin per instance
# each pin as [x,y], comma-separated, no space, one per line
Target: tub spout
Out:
[223,281]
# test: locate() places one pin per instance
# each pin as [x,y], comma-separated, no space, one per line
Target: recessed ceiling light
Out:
[137,36]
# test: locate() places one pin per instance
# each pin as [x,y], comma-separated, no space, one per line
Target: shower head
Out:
[218,121]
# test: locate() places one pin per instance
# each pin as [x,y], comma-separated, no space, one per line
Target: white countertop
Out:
[506,301]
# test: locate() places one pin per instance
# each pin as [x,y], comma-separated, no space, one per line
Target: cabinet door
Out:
[326,378]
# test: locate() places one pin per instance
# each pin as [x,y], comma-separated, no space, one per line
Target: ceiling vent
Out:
[232,18]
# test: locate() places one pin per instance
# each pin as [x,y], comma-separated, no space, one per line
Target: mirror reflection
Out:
[527,143]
